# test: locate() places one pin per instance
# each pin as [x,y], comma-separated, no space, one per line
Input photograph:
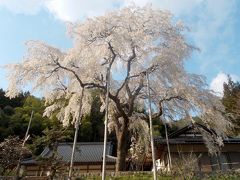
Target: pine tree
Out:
[231,101]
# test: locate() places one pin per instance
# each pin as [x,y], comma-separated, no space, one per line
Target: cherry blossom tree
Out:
[132,42]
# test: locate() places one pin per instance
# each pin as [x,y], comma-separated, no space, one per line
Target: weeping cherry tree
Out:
[132,42]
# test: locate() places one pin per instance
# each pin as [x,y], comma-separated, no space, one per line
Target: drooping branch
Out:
[61,83]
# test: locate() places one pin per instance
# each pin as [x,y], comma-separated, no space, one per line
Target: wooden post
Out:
[168,148]
[23,144]
[219,161]
[75,136]
[151,130]
[105,126]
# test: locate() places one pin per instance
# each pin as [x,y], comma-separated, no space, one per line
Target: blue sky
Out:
[214,28]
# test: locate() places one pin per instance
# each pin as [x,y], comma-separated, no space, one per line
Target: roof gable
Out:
[191,130]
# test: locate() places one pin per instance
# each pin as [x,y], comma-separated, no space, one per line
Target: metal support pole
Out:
[151,130]
[105,126]
[75,135]
[23,144]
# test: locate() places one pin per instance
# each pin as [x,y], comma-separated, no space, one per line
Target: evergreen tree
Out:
[231,101]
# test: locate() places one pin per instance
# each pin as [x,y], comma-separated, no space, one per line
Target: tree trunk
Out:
[122,149]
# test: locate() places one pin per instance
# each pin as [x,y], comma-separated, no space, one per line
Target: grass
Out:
[149,176]
[129,177]
[231,175]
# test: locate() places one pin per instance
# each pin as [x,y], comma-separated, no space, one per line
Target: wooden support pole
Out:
[77,123]
[151,130]
[23,144]
[168,148]
[105,126]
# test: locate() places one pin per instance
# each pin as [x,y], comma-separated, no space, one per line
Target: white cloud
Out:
[72,10]
[23,6]
[217,83]
[66,10]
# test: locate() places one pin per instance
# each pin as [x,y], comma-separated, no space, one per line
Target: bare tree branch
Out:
[70,70]
[125,82]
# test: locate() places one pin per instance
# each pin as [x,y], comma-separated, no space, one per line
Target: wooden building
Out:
[188,143]
[88,158]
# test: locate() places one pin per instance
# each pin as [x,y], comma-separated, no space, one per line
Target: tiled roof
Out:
[85,152]
[186,135]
